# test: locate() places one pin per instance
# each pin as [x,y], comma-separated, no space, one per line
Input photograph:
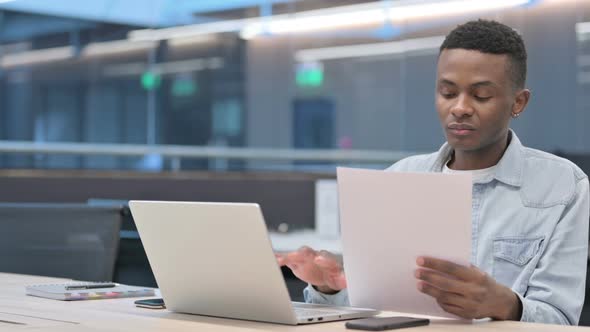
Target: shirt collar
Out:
[509,168]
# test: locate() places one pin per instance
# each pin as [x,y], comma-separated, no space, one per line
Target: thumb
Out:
[336,280]
[340,281]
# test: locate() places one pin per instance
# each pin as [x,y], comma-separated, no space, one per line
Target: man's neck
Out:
[480,159]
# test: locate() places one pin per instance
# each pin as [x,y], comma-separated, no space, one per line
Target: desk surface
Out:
[46,315]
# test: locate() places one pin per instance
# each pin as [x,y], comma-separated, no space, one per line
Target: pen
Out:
[91,286]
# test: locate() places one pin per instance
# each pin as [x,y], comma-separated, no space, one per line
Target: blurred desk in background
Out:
[287,242]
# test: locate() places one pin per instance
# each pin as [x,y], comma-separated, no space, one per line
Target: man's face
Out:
[474,98]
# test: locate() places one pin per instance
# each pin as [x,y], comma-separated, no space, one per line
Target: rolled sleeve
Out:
[311,295]
[534,311]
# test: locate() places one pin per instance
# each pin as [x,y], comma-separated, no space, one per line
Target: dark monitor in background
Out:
[74,241]
[127,226]
[132,266]
[580,159]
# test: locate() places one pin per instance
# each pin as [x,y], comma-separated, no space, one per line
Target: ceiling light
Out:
[331,18]
[373,13]
[376,49]
[116,47]
[33,57]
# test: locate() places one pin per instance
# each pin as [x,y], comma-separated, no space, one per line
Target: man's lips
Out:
[461,129]
[461,126]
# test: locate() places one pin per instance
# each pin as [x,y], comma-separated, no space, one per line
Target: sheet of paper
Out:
[387,220]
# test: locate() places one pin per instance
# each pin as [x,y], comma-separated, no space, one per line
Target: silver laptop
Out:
[216,259]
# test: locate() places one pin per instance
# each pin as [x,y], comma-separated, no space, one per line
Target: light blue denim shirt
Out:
[529,230]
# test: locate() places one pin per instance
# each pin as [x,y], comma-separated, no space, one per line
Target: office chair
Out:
[74,241]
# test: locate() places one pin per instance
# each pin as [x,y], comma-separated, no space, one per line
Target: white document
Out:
[387,220]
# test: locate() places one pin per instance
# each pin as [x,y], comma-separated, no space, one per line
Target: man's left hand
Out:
[465,291]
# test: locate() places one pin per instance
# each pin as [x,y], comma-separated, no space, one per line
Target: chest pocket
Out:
[515,259]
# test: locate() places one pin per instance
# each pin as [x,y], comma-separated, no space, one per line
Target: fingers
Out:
[440,281]
[462,309]
[428,290]
[441,296]
[303,253]
[454,303]
[316,267]
[455,310]
[328,261]
[295,259]
[331,268]
[327,254]
[337,281]
[449,268]
[280,259]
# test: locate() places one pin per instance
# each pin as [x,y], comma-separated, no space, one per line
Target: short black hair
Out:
[491,37]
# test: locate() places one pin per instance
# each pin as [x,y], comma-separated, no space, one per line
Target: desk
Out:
[119,315]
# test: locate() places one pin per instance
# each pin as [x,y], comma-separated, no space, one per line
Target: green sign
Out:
[309,74]
[150,80]
[184,87]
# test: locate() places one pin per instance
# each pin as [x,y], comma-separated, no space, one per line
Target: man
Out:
[530,208]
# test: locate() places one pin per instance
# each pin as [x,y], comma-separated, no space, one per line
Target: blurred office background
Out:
[353,77]
[102,101]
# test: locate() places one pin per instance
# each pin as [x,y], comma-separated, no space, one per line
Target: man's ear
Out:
[521,100]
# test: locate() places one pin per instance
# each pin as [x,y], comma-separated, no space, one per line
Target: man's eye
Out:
[478,98]
[447,95]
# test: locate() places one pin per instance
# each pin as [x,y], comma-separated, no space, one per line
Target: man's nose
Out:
[462,107]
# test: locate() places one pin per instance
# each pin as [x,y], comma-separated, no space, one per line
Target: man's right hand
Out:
[319,268]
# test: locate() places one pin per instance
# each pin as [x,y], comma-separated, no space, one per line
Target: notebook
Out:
[75,291]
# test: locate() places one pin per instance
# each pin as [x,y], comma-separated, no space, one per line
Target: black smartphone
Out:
[385,323]
[151,303]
